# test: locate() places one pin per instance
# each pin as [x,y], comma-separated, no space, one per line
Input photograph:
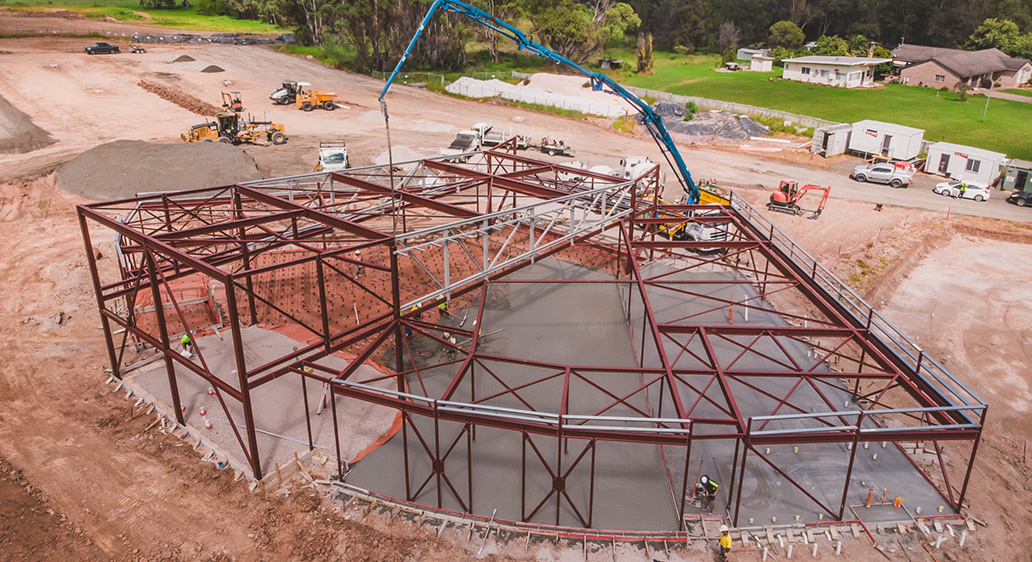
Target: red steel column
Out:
[91,259]
[241,363]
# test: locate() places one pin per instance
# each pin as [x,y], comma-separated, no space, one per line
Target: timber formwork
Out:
[360,262]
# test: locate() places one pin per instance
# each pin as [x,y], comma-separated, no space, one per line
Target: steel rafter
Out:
[495,215]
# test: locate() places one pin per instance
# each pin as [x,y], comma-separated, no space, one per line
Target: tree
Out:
[577,31]
[801,13]
[833,46]
[858,45]
[787,35]
[962,88]
[727,38]
[644,52]
[1023,47]
[1001,34]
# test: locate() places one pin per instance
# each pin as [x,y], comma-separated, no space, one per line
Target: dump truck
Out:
[298,93]
[465,141]
[230,128]
[308,100]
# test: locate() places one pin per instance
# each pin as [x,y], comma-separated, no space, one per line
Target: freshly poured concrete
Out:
[278,405]
[585,324]
[819,469]
[577,324]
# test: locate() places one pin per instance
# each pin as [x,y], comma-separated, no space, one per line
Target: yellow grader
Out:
[230,128]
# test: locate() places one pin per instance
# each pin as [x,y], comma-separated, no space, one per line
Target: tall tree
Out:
[787,35]
[1001,34]
[727,38]
[578,31]
[644,53]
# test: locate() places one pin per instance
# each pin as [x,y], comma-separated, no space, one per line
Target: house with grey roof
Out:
[917,65]
[841,72]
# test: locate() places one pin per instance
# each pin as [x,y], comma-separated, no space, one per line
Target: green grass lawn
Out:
[177,18]
[1019,92]
[941,114]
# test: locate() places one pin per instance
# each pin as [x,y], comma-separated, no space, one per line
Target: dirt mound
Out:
[213,68]
[185,101]
[18,134]
[122,169]
[185,58]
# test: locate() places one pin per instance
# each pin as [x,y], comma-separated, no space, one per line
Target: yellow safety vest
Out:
[725,541]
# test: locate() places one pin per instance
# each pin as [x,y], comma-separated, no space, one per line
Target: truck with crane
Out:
[653,123]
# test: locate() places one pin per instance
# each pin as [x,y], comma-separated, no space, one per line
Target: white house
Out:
[841,72]
[965,162]
[761,63]
[886,139]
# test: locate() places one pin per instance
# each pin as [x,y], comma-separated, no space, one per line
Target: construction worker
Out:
[358,266]
[442,306]
[187,343]
[725,542]
[709,490]
[451,350]
[963,189]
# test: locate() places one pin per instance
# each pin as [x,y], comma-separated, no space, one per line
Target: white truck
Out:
[465,141]
[488,137]
[635,166]
[333,157]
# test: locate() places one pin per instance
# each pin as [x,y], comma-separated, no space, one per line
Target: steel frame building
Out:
[464,226]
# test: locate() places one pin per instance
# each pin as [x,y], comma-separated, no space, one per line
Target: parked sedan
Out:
[895,176]
[953,189]
[1021,198]
[100,48]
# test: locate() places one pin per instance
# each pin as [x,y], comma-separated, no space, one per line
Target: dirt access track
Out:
[80,479]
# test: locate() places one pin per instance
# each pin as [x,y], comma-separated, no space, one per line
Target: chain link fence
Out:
[428,78]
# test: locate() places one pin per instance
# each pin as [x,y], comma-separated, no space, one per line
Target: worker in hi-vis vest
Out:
[725,542]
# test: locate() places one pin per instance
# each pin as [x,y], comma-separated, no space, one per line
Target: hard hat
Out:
[723,528]
[704,479]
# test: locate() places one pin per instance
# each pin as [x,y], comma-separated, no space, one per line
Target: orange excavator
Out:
[786,198]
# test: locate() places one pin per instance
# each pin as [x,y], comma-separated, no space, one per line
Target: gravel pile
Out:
[18,134]
[724,124]
[121,169]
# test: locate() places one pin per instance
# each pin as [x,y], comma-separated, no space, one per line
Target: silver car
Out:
[895,176]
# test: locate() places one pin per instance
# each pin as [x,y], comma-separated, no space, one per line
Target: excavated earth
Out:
[82,479]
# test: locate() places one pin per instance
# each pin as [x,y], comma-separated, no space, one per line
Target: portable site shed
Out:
[1019,176]
[965,162]
[831,140]
[760,63]
[886,139]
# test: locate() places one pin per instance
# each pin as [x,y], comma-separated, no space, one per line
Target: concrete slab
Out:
[278,405]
